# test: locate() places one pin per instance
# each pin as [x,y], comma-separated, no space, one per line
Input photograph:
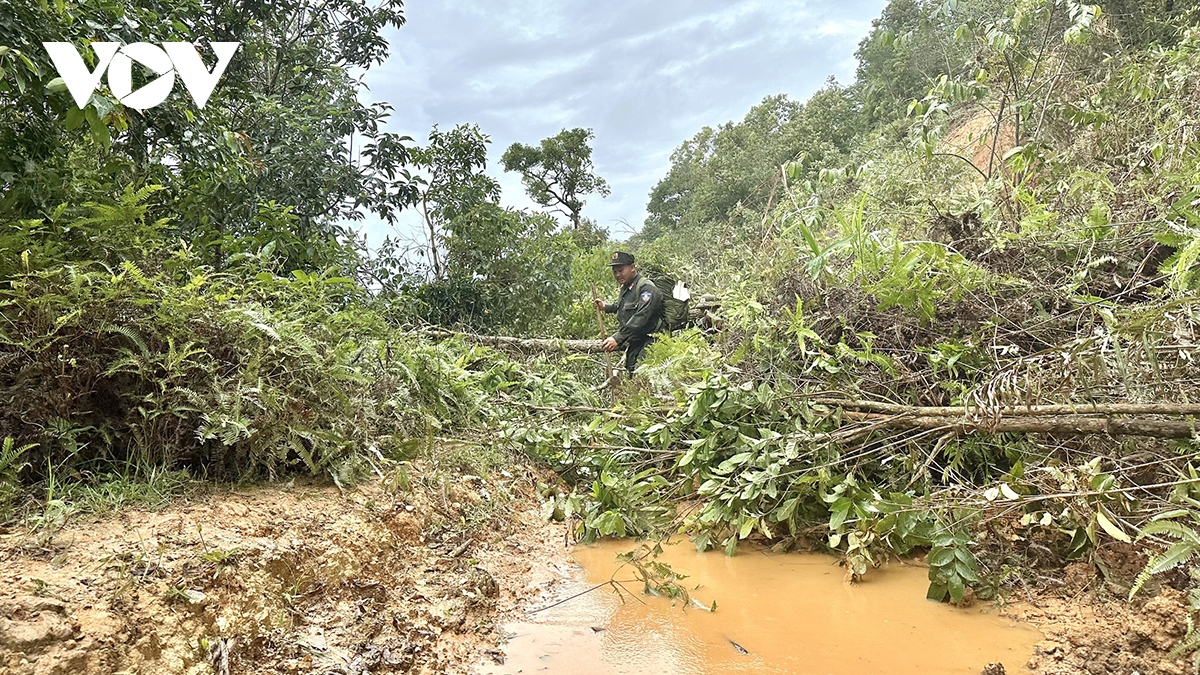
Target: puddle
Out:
[791,613]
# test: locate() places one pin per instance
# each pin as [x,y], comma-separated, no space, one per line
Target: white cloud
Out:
[644,75]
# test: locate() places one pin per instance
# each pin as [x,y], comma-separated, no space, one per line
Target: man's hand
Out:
[598,303]
[610,345]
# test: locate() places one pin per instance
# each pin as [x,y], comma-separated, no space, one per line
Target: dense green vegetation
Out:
[1001,212]
[998,213]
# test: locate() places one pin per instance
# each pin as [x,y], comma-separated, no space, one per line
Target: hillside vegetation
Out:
[958,296]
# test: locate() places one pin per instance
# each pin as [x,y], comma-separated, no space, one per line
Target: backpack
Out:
[675,301]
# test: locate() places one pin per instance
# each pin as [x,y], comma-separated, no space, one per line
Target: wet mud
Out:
[777,614]
[314,580]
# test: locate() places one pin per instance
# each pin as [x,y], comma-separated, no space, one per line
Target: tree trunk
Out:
[433,245]
[1019,411]
[1064,425]
[526,344]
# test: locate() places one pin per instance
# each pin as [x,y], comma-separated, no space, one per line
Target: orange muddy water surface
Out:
[777,614]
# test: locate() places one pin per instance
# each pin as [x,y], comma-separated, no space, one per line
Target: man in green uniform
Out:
[639,310]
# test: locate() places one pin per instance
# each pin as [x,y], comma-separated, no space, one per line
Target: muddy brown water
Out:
[777,614]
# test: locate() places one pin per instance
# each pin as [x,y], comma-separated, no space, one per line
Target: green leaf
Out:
[841,509]
[940,557]
[964,572]
[1172,528]
[74,118]
[1111,528]
[1175,513]
[746,527]
[1173,557]
[785,511]
[99,130]
[957,587]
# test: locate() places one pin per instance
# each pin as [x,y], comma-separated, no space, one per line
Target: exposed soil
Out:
[277,580]
[972,138]
[1091,628]
[309,579]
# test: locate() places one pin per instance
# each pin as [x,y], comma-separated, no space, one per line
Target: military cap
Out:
[621,258]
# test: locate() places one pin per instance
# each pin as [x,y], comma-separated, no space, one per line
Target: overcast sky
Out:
[644,75]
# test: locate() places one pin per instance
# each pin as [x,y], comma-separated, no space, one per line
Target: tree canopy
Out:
[283,152]
[455,183]
[558,173]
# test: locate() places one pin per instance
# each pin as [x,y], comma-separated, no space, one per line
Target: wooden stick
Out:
[527,344]
[1067,425]
[608,368]
[1020,410]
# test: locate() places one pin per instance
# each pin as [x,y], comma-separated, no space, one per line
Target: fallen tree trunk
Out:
[1019,411]
[525,344]
[540,344]
[1074,419]
[1065,425]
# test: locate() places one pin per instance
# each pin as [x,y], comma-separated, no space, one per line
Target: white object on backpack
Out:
[681,292]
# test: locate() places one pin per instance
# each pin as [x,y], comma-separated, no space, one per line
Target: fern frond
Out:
[297,444]
[10,453]
[1171,528]
[1178,554]
[132,335]
[1187,645]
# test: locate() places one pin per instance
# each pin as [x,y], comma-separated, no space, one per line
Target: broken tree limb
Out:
[1018,411]
[1064,425]
[551,344]
[526,344]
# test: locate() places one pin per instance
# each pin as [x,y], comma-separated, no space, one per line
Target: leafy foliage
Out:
[970,243]
[558,173]
[999,213]
[456,184]
[1185,548]
[11,465]
[285,129]
[226,375]
[952,567]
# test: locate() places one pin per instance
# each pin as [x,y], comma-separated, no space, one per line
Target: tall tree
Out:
[911,44]
[506,271]
[558,173]
[454,181]
[718,170]
[284,127]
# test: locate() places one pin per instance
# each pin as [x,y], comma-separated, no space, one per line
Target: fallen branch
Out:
[1019,411]
[589,409]
[527,344]
[616,585]
[1185,409]
[1065,425]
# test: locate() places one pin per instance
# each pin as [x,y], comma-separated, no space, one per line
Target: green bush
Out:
[229,375]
